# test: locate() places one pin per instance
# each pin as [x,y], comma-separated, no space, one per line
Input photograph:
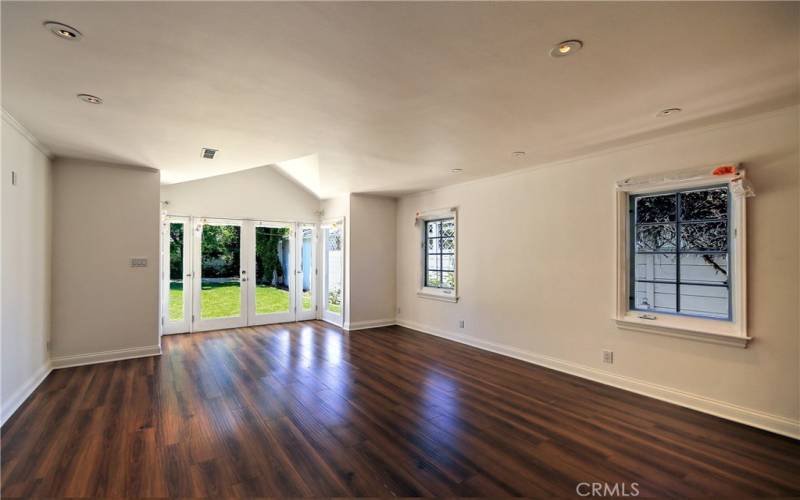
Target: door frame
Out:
[170,327]
[192,264]
[254,319]
[199,324]
[325,314]
[300,313]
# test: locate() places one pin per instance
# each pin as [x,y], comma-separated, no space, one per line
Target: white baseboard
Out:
[105,356]
[21,394]
[755,418]
[375,323]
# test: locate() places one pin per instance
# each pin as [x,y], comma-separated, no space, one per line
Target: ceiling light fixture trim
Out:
[89,98]
[566,48]
[63,31]
[668,112]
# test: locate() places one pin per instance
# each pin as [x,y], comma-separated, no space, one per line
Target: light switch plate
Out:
[138,261]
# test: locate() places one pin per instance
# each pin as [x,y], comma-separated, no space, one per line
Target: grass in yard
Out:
[175,301]
[335,308]
[271,300]
[221,300]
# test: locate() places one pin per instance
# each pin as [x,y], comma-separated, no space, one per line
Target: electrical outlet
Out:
[461,323]
[608,357]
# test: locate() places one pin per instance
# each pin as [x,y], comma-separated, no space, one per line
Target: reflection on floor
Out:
[305,409]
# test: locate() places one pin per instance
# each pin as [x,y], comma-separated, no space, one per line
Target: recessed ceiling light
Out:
[566,48]
[63,31]
[456,170]
[668,112]
[518,154]
[91,99]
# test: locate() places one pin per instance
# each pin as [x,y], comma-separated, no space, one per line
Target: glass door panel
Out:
[333,261]
[176,273]
[306,272]
[272,284]
[220,299]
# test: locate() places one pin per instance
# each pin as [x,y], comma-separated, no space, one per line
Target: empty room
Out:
[400,249]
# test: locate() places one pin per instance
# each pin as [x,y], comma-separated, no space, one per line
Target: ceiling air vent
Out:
[209,153]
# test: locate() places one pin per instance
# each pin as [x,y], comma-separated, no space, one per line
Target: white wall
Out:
[537,272]
[373,269]
[104,214]
[26,228]
[258,193]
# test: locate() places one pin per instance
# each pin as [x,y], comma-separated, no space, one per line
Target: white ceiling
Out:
[385,97]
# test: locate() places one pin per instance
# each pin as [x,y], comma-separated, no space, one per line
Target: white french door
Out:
[220,274]
[225,273]
[271,282]
[333,258]
[176,272]
[306,274]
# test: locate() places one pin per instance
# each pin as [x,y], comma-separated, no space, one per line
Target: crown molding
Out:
[9,118]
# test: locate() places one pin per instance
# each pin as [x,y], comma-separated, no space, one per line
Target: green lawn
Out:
[221,300]
[175,301]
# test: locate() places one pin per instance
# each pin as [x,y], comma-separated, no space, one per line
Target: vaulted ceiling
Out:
[384,97]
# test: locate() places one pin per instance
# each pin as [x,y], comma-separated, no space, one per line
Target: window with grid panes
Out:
[440,254]
[680,244]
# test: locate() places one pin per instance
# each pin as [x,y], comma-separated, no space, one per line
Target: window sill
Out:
[436,295]
[684,328]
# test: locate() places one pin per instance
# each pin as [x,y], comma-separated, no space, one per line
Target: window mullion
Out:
[678,252]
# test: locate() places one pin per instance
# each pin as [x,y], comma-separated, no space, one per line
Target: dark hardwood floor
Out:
[305,409]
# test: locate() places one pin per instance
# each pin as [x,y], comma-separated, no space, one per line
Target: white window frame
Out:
[718,331]
[443,294]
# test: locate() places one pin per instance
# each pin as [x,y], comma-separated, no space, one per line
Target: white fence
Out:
[694,298]
[334,268]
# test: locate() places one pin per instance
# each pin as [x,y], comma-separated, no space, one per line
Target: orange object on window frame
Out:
[724,170]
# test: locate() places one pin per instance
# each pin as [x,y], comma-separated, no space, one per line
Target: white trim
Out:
[436,294]
[437,213]
[249,253]
[26,133]
[198,324]
[444,295]
[711,337]
[24,392]
[325,314]
[728,332]
[170,327]
[363,325]
[755,418]
[105,356]
[300,313]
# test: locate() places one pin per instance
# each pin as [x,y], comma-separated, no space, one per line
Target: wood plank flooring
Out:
[305,409]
